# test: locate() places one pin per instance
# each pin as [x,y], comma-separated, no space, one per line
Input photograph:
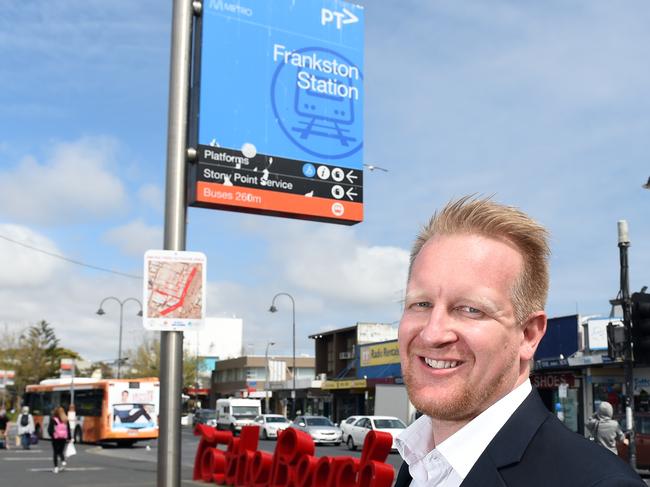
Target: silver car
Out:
[320,428]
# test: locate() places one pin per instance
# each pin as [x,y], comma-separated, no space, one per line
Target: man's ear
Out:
[532,332]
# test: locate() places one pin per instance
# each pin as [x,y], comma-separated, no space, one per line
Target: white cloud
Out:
[333,263]
[73,185]
[152,196]
[69,301]
[135,237]
[23,266]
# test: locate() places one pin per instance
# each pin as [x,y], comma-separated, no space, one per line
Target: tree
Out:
[38,355]
[144,361]
[8,354]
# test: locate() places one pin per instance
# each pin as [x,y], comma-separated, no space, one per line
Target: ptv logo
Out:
[346,17]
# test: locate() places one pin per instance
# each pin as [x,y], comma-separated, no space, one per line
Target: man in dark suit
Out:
[473,318]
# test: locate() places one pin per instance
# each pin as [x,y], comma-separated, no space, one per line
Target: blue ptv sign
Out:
[280,122]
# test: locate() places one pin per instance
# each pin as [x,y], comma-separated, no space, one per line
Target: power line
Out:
[72,261]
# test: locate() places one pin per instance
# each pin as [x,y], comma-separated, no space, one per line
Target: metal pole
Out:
[293,326]
[273,309]
[101,312]
[623,244]
[171,342]
[4,389]
[268,377]
[266,389]
[119,347]
[72,384]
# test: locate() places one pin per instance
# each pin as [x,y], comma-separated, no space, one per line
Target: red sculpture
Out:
[293,463]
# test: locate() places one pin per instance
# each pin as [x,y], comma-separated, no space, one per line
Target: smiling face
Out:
[460,345]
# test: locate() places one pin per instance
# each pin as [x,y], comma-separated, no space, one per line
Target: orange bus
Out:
[110,410]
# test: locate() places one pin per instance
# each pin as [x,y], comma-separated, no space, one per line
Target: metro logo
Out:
[292,464]
[345,17]
[233,8]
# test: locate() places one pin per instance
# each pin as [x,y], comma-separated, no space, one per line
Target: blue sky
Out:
[544,105]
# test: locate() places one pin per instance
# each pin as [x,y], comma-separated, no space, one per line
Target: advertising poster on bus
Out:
[134,406]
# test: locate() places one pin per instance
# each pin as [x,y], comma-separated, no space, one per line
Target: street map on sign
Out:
[175,290]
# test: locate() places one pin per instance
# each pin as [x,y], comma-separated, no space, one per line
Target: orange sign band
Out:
[276,201]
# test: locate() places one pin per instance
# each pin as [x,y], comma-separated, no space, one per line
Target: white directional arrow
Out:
[350,193]
[351,177]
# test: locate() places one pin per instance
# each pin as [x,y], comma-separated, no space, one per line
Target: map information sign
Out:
[280,111]
[174,290]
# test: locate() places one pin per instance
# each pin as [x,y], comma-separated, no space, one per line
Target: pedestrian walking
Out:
[59,431]
[72,418]
[605,430]
[26,427]
[4,429]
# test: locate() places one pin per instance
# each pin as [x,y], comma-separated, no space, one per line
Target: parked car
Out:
[320,428]
[271,425]
[362,426]
[205,416]
[347,423]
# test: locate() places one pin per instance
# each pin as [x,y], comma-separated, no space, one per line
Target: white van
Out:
[234,413]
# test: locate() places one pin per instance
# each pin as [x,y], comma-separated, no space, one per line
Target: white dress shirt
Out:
[447,464]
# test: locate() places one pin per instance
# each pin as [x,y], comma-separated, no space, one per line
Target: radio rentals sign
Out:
[280,130]
[380,354]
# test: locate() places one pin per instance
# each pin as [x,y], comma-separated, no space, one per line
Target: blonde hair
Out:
[481,216]
[60,414]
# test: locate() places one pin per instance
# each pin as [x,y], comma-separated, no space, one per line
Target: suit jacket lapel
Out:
[403,476]
[509,445]
[484,473]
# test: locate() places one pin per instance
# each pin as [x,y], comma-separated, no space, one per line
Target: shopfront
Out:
[348,397]
[561,393]
[608,384]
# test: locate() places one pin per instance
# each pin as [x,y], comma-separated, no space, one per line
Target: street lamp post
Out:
[268,377]
[273,309]
[101,312]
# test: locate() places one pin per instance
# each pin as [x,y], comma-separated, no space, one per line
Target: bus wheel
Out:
[78,436]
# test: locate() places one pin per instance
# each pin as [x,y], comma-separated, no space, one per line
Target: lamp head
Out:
[273,309]
[101,312]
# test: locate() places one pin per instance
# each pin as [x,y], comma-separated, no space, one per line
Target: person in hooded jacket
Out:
[605,430]
[26,427]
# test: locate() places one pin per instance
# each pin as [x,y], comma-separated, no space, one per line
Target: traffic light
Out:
[616,341]
[641,327]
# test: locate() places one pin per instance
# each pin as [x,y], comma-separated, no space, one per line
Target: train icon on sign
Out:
[317,99]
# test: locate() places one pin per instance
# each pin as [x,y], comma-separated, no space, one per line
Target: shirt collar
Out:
[463,448]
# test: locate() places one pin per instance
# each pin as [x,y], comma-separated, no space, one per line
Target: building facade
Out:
[261,377]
